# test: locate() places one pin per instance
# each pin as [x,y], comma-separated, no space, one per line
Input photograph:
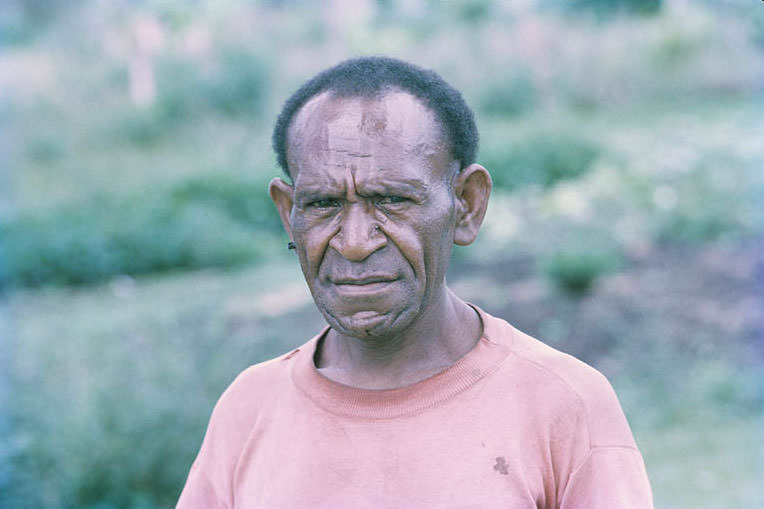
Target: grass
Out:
[704,464]
[118,403]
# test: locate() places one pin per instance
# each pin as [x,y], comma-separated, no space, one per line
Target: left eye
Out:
[391,200]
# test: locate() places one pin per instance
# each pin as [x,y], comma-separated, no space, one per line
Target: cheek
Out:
[313,239]
[427,242]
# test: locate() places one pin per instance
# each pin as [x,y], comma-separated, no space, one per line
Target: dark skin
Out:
[376,206]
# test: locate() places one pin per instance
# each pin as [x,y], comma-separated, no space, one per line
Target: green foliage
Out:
[111,412]
[718,197]
[143,128]
[472,11]
[180,85]
[510,95]
[22,20]
[235,84]
[538,158]
[46,148]
[239,84]
[245,200]
[205,222]
[575,270]
[608,8]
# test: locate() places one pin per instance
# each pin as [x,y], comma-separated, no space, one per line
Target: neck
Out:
[440,336]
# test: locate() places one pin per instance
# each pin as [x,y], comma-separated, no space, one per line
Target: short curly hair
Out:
[371,76]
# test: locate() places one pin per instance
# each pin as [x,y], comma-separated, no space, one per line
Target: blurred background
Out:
[142,265]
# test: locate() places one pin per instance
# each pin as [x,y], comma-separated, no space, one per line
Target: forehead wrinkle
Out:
[331,132]
[322,181]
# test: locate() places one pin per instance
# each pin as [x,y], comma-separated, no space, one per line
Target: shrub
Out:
[243,199]
[239,84]
[575,270]
[46,148]
[180,90]
[539,158]
[609,8]
[717,198]
[142,128]
[509,95]
[236,83]
[207,222]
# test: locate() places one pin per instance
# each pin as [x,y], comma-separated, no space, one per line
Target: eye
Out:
[324,203]
[391,200]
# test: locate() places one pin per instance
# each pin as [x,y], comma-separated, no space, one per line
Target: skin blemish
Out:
[501,465]
[373,119]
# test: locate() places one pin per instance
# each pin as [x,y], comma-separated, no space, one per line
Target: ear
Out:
[282,195]
[472,187]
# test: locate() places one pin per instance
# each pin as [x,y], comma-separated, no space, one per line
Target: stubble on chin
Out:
[366,324]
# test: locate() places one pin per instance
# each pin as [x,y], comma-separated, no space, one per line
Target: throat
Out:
[423,351]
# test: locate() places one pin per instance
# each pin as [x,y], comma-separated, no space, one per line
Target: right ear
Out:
[282,195]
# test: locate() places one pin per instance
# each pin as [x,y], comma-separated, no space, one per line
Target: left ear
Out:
[472,187]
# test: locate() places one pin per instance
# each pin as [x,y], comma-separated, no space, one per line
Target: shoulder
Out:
[565,385]
[257,386]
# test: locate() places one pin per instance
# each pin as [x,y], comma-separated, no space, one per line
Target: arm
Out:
[609,477]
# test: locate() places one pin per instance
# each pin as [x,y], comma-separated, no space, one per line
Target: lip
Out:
[364,281]
[363,286]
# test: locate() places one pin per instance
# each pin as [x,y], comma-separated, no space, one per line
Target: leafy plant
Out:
[509,95]
[575,270]
[203,222]
[540,158]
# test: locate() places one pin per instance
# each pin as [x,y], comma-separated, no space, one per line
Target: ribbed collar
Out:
[492,348]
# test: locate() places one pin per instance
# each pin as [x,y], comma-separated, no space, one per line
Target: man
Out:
[410,397]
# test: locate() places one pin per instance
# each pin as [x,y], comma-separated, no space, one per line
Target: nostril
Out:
[356,242]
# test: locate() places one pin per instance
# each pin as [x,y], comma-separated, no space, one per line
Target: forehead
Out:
[393,132]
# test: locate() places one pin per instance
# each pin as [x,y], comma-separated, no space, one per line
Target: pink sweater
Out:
[512,424]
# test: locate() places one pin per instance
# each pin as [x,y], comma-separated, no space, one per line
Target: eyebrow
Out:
[408,185]
[324,188]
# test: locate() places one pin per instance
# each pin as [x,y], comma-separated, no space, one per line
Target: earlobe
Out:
[282,195]
[473,189]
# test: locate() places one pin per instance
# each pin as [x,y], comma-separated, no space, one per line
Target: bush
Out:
[575,270]
[510,95]
[609,8]
[239,84]
[208,222]
[539,158]
[141,128]
[243,199]
[236,84]
[89,436]
[717,198]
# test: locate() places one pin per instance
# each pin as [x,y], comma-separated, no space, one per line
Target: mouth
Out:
[364,281]
[368,285]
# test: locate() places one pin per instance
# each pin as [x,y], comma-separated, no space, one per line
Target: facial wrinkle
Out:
[352,190]
[374,119]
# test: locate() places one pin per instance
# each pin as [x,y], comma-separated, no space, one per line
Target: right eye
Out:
[324,203]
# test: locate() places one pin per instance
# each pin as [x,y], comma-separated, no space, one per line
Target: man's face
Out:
[373,209]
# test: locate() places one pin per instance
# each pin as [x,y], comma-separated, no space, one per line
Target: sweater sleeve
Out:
[609,477]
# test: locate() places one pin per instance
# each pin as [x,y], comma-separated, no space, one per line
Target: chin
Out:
[368,324]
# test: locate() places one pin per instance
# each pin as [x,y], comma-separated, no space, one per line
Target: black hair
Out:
[371,76]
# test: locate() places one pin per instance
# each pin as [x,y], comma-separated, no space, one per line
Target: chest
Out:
[440,459]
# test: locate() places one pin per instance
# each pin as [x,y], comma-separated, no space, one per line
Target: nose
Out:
[359,235]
